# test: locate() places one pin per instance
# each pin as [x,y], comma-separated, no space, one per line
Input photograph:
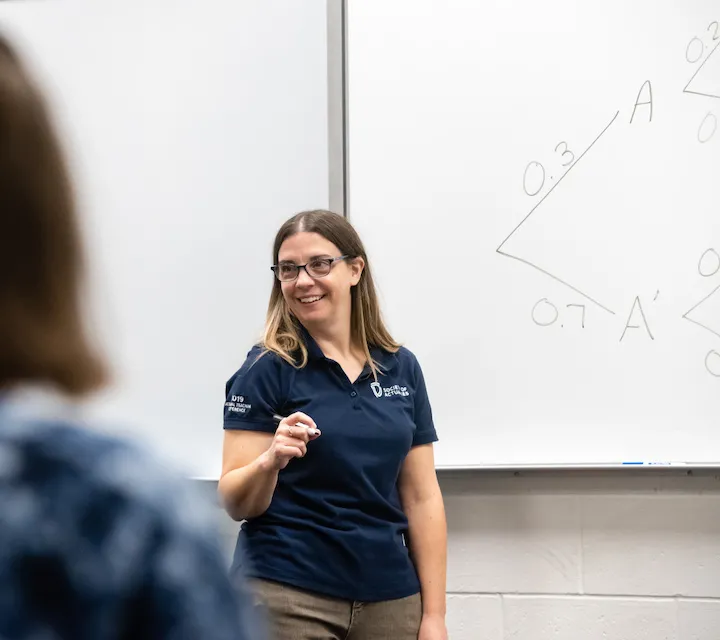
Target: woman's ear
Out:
[357,266]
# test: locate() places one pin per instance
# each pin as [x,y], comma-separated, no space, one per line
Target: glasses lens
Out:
[287,272]
[319,268]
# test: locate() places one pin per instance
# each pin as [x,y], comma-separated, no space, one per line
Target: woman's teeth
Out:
[310,299]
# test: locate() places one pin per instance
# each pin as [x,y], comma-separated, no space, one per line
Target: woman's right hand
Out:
[290,440]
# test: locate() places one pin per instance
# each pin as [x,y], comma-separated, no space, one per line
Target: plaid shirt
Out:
[98,543]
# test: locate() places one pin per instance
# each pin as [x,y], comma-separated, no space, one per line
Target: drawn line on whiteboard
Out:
[700,324]
[699,93]
[525,219]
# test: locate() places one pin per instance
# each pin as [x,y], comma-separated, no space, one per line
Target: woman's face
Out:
[317,301]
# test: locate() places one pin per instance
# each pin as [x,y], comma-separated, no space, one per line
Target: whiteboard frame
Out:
[684,468]
[337,105]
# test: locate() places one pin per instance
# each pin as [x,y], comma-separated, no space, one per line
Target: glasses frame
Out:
[276,268]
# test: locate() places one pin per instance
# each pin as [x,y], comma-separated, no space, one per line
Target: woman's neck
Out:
[336,342]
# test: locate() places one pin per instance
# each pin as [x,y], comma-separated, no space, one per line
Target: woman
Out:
[96,542]
[345,521]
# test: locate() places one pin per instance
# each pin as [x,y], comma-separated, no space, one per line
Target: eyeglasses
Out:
[316,268]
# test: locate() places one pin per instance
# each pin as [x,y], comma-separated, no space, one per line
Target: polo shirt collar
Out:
[385,359]
[314,350]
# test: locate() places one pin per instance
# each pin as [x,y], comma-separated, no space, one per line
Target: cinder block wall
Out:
[580,555]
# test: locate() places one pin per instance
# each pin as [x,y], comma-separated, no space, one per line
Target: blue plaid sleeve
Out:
[99,542]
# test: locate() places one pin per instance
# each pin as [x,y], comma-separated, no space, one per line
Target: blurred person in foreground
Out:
[96,541]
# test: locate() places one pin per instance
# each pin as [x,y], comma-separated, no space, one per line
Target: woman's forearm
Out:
[247,492]
[428,548]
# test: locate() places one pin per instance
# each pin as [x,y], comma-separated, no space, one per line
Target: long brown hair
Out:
[41,332]
[367,329]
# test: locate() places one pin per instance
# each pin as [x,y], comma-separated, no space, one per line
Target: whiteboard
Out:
[546,240]
[194,128]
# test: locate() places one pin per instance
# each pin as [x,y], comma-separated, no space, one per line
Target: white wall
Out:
[190,148]
[580,556]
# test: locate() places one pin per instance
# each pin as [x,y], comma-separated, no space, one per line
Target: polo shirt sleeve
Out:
[424,427]
[255,393]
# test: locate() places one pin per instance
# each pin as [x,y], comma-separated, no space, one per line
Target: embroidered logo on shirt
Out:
[388,392]
[236,404]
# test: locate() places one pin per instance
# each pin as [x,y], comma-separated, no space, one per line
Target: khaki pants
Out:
[295,614]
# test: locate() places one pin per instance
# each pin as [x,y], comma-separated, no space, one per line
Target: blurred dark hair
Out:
[42,337]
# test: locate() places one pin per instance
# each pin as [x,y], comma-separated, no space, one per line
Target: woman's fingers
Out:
[293,434]
[302,420]
[299,432]
[293,448]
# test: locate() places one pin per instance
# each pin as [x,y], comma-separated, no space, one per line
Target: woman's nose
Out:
[304,278]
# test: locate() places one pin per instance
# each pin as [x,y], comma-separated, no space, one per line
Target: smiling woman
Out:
[354,515]
[322,239]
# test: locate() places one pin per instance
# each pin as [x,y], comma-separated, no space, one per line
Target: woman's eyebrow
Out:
[321,255]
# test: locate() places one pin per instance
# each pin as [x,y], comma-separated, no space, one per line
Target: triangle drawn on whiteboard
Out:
[706,313]
[706,79]
[504,252]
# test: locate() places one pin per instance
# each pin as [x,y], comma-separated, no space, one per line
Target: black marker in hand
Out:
[312,431]
[291,438]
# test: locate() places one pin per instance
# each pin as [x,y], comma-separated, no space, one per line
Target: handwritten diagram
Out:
[592,241]
[706,79]
[537,167]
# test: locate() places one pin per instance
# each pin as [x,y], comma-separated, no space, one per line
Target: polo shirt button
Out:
[353,394]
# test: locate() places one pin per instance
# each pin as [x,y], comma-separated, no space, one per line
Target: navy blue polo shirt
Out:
[335,524]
